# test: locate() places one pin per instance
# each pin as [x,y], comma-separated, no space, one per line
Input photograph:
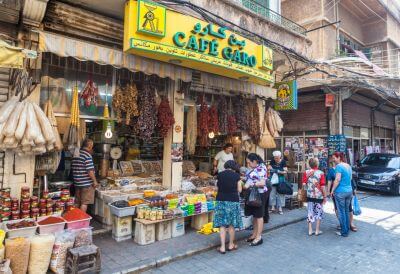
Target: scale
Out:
[115,153]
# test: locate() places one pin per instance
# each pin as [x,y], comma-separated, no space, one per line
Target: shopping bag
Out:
[274,179]
[356,206]
[254,197]
[302,195]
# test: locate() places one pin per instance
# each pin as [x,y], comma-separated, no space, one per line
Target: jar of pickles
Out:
[25,204]
[25,214]
[14,202]
[70,205]
[25,192]
[49,203]
[6,192]
[49,211]
[160,213]
[45,195]
[65,195]
[34,212]
[34,202]
[153,215]
[43,212]
[7,202]
[15,215]
[43,203]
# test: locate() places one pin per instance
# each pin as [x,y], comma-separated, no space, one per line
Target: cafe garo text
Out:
[153,31]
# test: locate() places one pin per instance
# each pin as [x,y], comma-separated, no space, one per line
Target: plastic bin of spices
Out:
[77,219]
[51,224]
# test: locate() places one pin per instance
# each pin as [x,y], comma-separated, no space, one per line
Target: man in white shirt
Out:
[222,157]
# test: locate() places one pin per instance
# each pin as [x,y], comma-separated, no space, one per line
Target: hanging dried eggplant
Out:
[165,117]
[239,111]
[223,115]
[202,126]
[147,120]
[232,127]
[191,130]
[213,123]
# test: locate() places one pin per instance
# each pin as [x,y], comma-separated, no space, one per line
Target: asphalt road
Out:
[375,248]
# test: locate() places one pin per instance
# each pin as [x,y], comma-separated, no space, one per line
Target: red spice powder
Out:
[51,220]
[75,215]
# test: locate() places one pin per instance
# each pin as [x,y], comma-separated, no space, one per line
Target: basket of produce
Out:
[50,224]
[20,228]
[77,219]
[122,209]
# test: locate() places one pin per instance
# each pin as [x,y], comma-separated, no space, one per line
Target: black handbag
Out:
[284,188]
[254,197]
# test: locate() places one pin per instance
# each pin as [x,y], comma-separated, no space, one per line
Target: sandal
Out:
[249,240]
[259,242]
[310,234]
[353,228]
[235,247]
[220,251]
[319,233]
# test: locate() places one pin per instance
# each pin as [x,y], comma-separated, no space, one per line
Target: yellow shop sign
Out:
[153,31]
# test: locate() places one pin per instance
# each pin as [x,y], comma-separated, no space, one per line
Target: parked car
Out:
[379,171]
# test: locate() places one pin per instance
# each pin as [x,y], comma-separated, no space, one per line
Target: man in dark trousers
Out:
[84,176]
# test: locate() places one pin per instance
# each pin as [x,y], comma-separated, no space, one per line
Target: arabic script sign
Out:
[155,32]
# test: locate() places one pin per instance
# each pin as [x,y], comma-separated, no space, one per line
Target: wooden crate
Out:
[198,221]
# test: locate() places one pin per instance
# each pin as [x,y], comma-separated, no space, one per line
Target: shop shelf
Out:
[19,232]
[122,212]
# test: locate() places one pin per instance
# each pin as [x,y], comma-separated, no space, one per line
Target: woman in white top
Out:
[222,157]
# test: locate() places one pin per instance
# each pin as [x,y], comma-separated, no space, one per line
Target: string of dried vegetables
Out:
[129,104]
[254,129]
[165,117]
[232,126]
[213,123]
[147,120]
[239,111]
[223,115]
[117,102]
[202,127]
[191,130]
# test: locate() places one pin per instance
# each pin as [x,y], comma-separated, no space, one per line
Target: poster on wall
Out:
[286,96]
[177,152]
[336,143]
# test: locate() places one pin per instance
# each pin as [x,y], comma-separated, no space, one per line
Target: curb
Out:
[169,259]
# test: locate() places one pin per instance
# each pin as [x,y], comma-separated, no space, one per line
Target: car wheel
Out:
[396,189]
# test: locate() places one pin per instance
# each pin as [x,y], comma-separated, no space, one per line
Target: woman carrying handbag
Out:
[256,198]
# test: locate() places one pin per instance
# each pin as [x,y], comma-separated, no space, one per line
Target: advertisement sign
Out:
[151,30]
[286,96]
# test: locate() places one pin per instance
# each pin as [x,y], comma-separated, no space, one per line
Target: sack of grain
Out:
[17,250]
[40,253]
[64,240]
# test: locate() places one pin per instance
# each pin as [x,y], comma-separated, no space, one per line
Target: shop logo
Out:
[151,18]
[286,96]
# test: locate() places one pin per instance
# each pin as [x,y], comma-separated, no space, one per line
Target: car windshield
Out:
[381,161]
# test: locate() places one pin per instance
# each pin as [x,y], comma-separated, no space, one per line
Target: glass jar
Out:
[34,202]
[25,192]
[65,195]
[34,212]
[25,214]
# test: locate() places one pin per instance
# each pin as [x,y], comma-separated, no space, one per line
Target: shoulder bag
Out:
[284,187]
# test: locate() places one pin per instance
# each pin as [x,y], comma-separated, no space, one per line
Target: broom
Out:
[266,140]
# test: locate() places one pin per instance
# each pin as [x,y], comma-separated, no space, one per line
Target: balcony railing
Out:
[272,16]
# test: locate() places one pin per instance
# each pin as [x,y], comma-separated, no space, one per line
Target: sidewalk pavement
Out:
[129,257]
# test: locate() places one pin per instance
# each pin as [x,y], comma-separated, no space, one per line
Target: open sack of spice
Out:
[25,128]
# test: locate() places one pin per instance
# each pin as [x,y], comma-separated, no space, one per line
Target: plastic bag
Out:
[254,197]
[64,240]
[83,237]
[275,179]
[356,206]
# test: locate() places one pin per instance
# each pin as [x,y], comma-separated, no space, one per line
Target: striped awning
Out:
[84,51]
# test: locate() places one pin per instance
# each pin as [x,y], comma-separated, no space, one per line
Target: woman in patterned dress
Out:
[227,211]
[256,177]
[314,183]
